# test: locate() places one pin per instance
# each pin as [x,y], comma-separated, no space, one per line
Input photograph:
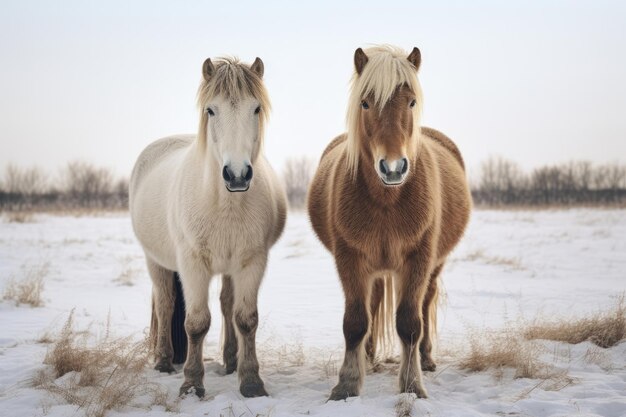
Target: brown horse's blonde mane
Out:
[235,81]
[386,69]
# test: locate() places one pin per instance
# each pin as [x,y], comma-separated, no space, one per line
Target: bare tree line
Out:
[78,185]
[502,182]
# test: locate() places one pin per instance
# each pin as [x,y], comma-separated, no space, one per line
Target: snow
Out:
[511,266]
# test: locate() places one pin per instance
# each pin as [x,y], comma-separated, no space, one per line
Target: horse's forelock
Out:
[234,81]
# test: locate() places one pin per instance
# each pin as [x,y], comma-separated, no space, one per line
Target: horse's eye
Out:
[412,104]
[365,105]
[210,111]
[257,110]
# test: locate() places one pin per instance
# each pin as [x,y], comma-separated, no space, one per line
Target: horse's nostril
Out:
[384,168]
[227,174]
[248,175]
[405,166]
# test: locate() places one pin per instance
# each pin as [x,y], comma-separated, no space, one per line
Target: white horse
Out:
[199,208]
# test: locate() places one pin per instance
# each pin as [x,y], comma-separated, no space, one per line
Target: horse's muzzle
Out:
[236,183]
[394,172]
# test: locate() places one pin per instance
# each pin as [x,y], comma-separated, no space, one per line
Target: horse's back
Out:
[155,153]
[453,188]
[445,142]
[149,193]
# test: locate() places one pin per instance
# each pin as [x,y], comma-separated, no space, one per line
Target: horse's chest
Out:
[384,239]
[225,244]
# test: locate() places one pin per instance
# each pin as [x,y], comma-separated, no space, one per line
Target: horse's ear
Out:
[207,69]
[415,58]
[257,67]
[360,59]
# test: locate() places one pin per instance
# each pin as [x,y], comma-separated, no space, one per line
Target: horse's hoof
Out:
[340,393]
[165,366]
[229,368]
[419,391]
[188,387]
[253,389]
[428,365]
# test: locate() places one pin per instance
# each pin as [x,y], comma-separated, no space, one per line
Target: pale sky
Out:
[534,81]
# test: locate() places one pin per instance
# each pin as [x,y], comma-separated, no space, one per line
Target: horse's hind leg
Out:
[163,307]
[227,300]
[429,314]
[246,284]
[376,298]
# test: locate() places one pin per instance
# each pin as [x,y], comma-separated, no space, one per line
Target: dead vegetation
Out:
[128,274]
[29,287]
[480,255]
[516,348]
[404,405]
[19,217]
[505,349]
[604,329]
[107,374]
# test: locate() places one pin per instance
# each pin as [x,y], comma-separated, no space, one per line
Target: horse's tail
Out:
[383,323]
[432,313]
[179,335]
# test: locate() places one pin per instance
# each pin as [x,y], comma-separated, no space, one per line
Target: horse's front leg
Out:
[195,281]
[411,287]
[356,286]
[246,285]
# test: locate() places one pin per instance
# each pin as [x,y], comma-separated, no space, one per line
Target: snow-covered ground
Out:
[511,265]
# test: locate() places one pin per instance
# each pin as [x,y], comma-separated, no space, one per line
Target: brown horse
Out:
[390,200]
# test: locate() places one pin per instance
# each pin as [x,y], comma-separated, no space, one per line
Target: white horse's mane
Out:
[386,69]
[234,81]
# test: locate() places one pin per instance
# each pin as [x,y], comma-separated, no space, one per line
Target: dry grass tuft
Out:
[97,378]
[128,274]
[480,255]
[280,354]
[27,290]
[604,329]
[404,405]
[19,217]
[598,356]
[506,349]
[46,338]
[127,277]
[330,368]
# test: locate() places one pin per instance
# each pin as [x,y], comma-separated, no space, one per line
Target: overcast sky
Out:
[538,82]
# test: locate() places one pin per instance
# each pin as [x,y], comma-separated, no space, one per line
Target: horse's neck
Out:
[200,175]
